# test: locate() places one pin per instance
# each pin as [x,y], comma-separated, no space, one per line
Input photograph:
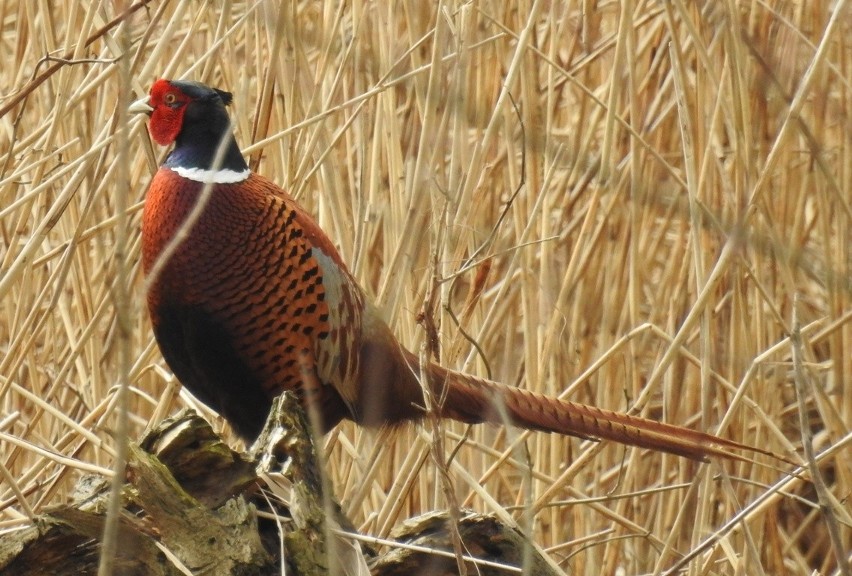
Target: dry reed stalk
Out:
[628,199]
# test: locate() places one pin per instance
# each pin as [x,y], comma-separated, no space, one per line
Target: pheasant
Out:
[255,300]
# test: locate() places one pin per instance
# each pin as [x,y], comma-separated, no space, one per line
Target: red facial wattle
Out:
[169,105]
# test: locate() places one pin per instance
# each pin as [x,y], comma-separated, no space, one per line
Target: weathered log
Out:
[493,548]
[206,524]
[191,504]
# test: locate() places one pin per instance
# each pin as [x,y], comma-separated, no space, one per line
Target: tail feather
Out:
[471,399]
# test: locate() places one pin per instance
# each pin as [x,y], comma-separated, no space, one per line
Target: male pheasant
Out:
[255,300]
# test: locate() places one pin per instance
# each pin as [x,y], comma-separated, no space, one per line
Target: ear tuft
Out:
[226,97]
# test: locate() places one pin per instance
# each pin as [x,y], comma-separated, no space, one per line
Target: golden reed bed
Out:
[632,204]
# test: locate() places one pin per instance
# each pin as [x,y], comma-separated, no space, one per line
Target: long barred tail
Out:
[471,399]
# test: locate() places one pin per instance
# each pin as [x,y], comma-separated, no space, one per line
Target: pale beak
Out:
[141,106]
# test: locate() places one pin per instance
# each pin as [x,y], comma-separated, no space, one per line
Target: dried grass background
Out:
[632,204]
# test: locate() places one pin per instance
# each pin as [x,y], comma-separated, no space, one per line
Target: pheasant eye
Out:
[170,98]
